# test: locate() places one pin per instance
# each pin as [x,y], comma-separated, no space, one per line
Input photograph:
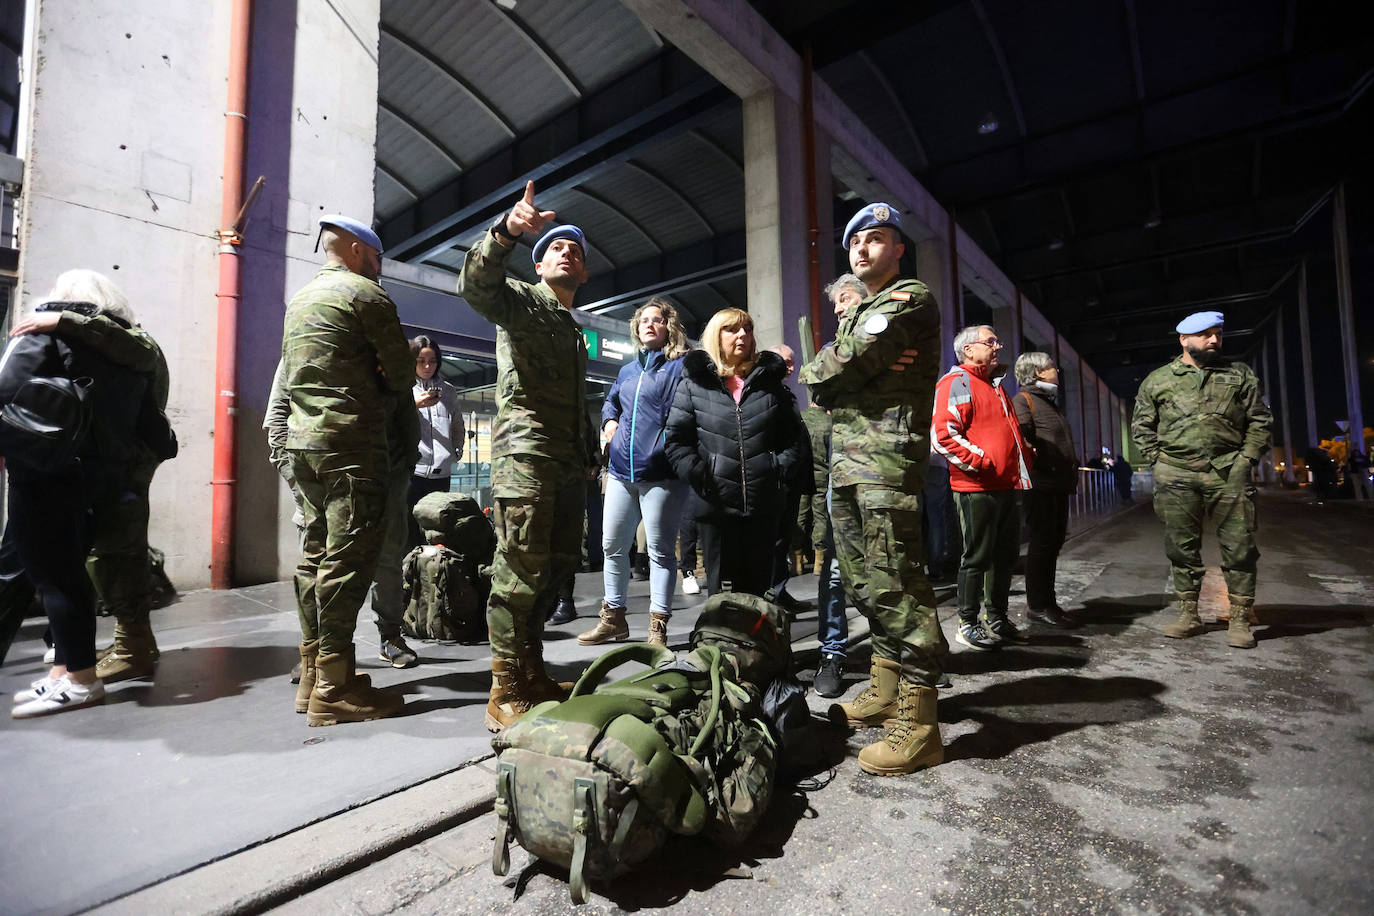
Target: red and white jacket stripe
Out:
[974,428]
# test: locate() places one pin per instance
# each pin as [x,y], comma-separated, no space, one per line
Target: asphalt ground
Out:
[1105,769]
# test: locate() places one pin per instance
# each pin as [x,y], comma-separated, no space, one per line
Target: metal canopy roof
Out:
[1136,160]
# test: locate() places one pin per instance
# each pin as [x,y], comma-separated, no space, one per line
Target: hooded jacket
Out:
[975,429]
[736,457]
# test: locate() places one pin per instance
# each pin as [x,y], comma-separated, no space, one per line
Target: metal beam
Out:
[405,185]
[420,132]
[620,212]
[423,53]
[662,97]
[672,189]
[672,271]
[922,160]
[1000,56]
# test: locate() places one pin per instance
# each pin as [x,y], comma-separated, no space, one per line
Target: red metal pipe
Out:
[812,220]
[223,480]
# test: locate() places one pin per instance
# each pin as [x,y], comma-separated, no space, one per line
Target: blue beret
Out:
[361,231]
[565,231]
[871,217]
[1198,322]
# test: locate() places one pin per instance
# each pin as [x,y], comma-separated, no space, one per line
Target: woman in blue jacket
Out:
[640,482]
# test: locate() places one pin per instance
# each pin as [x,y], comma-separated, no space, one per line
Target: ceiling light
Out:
[506,4]
[1153,220]
[1056,244]
[1092,302]
[989,124]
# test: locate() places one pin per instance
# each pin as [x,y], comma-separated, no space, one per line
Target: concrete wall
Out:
[123,176]
[124,164]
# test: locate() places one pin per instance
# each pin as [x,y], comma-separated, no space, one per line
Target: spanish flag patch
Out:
[901,295]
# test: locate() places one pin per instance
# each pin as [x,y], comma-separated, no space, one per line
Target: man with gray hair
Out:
[1054,478]
[974,428]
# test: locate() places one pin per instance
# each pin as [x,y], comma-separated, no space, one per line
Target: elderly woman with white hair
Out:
[1054,477]
[84,328]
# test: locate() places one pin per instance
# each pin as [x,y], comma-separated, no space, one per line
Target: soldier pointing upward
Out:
[542,443]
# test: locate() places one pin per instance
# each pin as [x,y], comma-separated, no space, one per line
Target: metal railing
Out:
[1097,496]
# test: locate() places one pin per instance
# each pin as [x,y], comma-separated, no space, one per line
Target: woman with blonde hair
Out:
[735,436]
[640,483]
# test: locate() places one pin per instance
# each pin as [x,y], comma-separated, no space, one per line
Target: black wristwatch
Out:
[499,228]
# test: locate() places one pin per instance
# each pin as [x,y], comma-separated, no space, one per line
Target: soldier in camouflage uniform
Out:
[878,380]
[347,368]
[542,444]
[1202,425]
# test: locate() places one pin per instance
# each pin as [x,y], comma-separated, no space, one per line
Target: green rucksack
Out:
[752,630]
[441,601]
[458,523]
[597,783]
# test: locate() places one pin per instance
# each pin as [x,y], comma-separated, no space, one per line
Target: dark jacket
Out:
[1045,429]
[639,402]
[737,457]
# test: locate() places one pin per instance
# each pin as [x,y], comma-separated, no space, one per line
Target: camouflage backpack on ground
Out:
[441,602]
[448,580]
[753,630]
[596,783]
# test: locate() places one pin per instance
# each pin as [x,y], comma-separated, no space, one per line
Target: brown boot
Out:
[658,630]
[820,562]
[134,653]
[798,563]
[612,627]
[1238,635]
[510,697]
[878,701]
[305,685]
[101,653]
[340,695]
[539,686]
[913,738]
[1188,622]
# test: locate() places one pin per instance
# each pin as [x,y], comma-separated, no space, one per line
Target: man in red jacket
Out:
[974,427]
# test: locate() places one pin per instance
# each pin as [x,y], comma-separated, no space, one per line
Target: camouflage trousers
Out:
[387,590]
[343,495]
[118,561]
[1184,500]
[878,544]
[540,504]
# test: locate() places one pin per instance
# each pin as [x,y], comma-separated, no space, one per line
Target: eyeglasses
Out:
[989,342]
[653,319]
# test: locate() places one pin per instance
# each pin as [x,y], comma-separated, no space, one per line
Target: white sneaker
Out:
[37,689]
[50,656]
[64,695]
[690,586]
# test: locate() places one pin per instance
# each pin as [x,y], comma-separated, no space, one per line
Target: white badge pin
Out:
[875,325]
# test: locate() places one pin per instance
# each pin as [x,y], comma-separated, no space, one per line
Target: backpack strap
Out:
[653,656]
[1030,402]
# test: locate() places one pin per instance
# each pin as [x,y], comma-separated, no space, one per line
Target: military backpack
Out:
[441,600]
[597,783]
[752,629]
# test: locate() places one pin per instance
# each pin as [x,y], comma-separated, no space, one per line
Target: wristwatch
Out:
[499,228]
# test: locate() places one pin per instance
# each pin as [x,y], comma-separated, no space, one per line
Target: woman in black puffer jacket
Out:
[735,436]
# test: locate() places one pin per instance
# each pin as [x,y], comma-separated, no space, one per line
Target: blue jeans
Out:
[832,627]
[659,503]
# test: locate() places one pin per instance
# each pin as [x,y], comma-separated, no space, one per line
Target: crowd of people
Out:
[702,448]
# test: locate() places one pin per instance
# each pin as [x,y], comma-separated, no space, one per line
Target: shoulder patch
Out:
[900,295]
[875,325]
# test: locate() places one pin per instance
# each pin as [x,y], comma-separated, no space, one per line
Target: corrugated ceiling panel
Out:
[595,39]
[608,230]
[390,196]
[644,199]
[409,155]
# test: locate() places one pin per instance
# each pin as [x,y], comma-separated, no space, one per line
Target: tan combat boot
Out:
[878,701]
[1188,622]
[820,561]
[913,738]
[611,627]
[658,630]
[539,687]
[157,653]
[798,563]
[305,685]
[340,695]
[134,653]
[509,699]
[1238,635]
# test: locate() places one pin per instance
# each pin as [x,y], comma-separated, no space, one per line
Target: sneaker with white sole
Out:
[50,656]
[64,695]
[690,586]
[37,689]
[1002,628]
[975,637]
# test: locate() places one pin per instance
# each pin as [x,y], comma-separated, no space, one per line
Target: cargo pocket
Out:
[366,503]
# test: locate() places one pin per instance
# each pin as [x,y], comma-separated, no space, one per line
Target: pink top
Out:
[735,385]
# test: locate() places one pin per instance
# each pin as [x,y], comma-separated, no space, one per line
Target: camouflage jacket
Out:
[343,360]
[880,418]
[1199,418]
[541,361]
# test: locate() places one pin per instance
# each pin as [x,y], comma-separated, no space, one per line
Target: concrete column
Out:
[1314,436]
[775,223]
[1266,468]
[933,269]
[1344,300]
[1289,452]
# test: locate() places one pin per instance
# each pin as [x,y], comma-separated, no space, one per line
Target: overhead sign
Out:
[601,345]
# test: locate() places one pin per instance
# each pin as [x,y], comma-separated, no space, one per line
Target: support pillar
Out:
[933,269]
[1266,389]
[1289,453]
[1314,436]
[1350,359]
